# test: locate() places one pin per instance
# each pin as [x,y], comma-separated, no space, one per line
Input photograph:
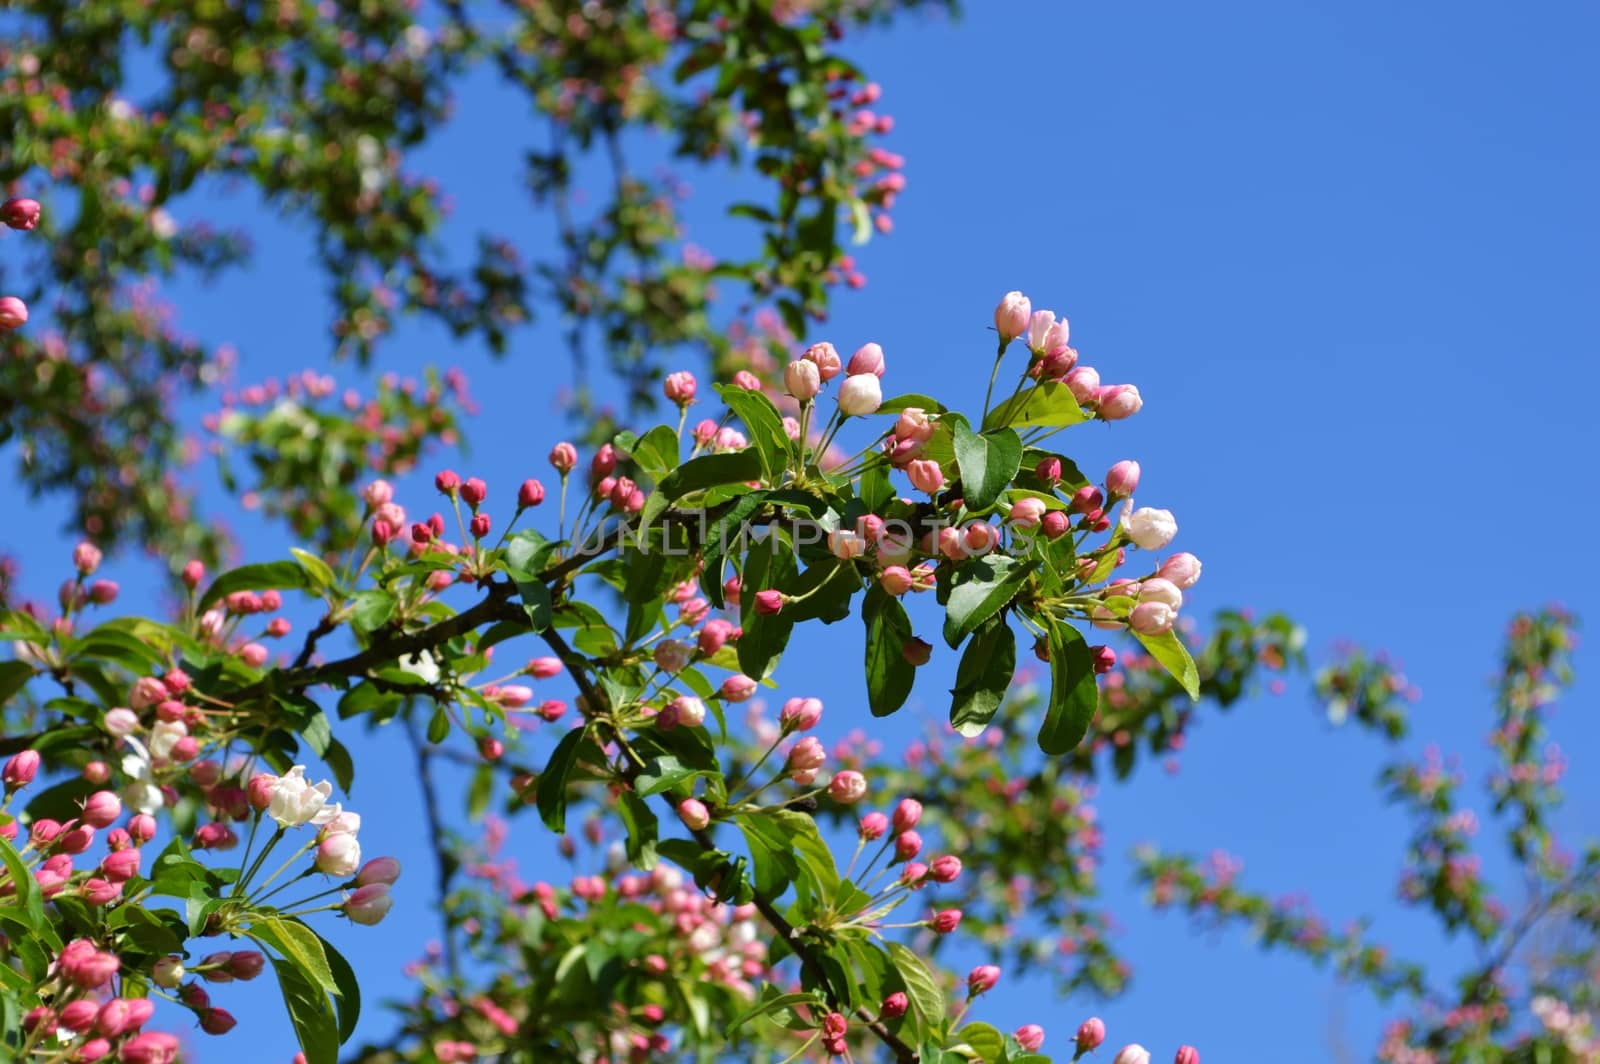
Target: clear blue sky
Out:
[1345,251]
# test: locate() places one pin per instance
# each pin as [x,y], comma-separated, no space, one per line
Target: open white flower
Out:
[295,801]
[141,793]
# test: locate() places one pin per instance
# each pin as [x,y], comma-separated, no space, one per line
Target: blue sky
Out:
[1345,252]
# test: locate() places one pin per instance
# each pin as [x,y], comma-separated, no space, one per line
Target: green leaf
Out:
[1074,695]
[889,675]
[348,996]
[261,577]
[664,773]
[655,453]
[439,726]
[1050,404]
[1168,649]
[770,1005]
[985,586]
[536,603]
[709,470]
[874,485]
[642,828]
[765,426]
[298,943]
[13,675]
[982,678]
[552,789]
[901,403]
[526,554]
[987,462]
[315,1023]
[984,1040]
[725,533]
[26,904]
[371,609]
[922,989]
[317,570]
[827,587]
[337,758]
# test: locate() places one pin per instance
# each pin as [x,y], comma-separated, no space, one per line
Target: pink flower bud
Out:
[103,592]
[1105,659]
[907,814]
[1030,1036]
[1157,589]
[802,379]
[847,787]
[20,213]
[679,387]
[867,359]
[78,1015]
[926,476]
[377,493]
[215,836]
[121,1015]
[97,891]
[1132,1054]
[604,462]
[1011,316]
[193,573]
[1084,383]
[368,904]
[688,710]
[86,558]
[1091,1034]
[101,809]
[121,722]
[894,1006]
[96,772]
[980,537]
[13,312]
[713,636]
[671,656]
[1055,524]
[907,845]
[1087,499]
[85,966]
[1182,569]
[747,380]
[896,580]
[946,869]
[1123,479]
[1046,334]
[738,688]
[1187,1055]
[491,749]
[693,813]
[825,357]
[563,457]
[769,602]
[1119,401]
[860,394]
[246,964]
[1152,618]
[513,695]
[121,866]
[946,921]
[800,714]
[447,483]
[807,755]
[142,828]
[473,492]
[873,826]
[338,855]
[21,769]
[1026,513]
[982,979]
[218,1021]
[151,1047]
[915,425]
[531,493]
[384,870]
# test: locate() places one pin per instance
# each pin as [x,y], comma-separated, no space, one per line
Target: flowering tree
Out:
[597,643]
